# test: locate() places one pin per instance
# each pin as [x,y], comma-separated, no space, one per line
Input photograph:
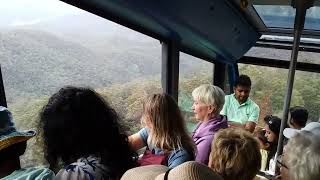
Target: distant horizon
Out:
[28,12]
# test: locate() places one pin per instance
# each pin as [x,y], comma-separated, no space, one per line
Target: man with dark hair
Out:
[240,110]
[13,144]
[298,117]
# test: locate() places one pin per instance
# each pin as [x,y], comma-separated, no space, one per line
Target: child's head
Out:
[263,141]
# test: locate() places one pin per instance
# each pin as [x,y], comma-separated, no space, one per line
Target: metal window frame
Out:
[3,101]
[170,68]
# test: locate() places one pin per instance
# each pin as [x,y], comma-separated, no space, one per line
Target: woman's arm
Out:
[138,140]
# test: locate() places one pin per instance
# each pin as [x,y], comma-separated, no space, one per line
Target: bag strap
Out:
[166,175]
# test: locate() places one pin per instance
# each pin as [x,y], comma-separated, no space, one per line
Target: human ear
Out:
[212,109]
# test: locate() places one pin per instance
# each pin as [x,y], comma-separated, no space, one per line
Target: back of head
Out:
[168,126]
[299,116]
[243,80]
[210,95]
[74,121]
[303,156]
[260,134]
[235,154]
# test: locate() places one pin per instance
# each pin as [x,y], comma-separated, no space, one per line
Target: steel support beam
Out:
[170,68]
[233,74]
[301,9]
[219,75]
[288,32]
[3,101]
[236,69]
[301,66]
[307,47]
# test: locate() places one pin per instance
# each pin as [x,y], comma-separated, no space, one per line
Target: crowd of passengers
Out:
[83,139]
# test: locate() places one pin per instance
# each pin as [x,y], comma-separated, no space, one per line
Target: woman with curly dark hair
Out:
[82,130]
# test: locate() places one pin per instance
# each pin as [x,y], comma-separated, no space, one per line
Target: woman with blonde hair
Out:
[208,101]
[235,154]
[165,133]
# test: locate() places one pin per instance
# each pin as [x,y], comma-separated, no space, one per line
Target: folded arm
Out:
[136,142]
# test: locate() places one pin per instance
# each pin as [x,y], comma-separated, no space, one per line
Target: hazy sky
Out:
[20,12]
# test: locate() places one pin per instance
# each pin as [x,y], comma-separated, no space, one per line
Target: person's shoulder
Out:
[179,156]
[228,98]
[179,152]
[84,168]
[38,173]
[144,133]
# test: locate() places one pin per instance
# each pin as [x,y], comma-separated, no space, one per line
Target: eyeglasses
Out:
[280,163]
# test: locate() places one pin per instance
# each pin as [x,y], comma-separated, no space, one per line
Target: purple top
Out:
[203,136]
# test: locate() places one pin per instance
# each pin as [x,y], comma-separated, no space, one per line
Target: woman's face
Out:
[201,111]
[271,136]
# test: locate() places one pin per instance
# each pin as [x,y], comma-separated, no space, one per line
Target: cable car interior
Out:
[222,32]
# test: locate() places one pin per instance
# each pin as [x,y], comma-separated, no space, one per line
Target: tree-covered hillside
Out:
[267,90]
[37,63]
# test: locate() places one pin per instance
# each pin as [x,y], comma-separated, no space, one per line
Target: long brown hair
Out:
[168,130]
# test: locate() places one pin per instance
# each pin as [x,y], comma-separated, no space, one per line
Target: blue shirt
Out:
[175,158]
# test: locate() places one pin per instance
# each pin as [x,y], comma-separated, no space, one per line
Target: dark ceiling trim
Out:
[289,32]
[301,66]
[306,47]
[287,42]
[279,2]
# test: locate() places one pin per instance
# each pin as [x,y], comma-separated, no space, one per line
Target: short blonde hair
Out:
[303,156]
[210,95]
[168,126]
[235,154]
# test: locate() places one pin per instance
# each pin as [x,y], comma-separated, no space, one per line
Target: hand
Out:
[278,177]
[235,125]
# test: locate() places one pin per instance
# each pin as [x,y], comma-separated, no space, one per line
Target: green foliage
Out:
[35,64]
[127,100]
[272,83]
[26,116]
[185,101]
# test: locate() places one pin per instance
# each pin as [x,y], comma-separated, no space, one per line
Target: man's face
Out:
[242,93]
